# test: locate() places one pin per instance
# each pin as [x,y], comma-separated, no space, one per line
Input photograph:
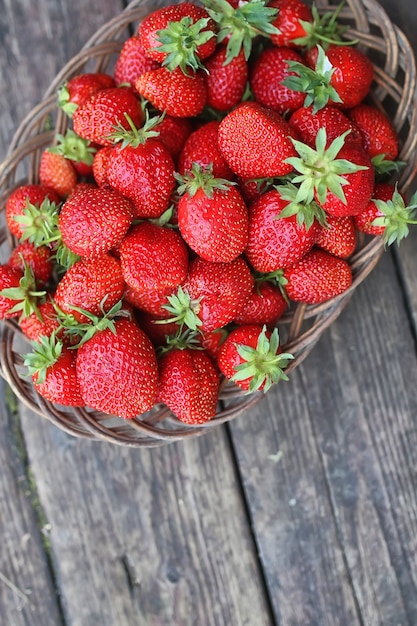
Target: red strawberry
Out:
[387,214]
[378,132]
[352,73]
[20,198]
[58,173]
[151,302]
[276,241]
[189,385]
[80,88]
[344,182]
[179,94]
[178,35]
[226,83]
[251,357]
[173,132]
[132,62]
[100,161]
[251,130]
[290,21]
[9,279]
[80,152]
[95,285]
[117,371]
[338,236]
[212,216]
[202,147]
[153,258]
[212,341]
[38,258]
[41,324]
[334,121]
[214,293]
[158,328]
[265,305]
[94,220]
[317,277]
[53,369]
[268,72]
[142,169]
[96,119]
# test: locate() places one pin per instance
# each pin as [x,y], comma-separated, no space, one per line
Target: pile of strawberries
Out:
[220,174]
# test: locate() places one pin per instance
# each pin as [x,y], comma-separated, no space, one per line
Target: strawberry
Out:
[317,277]
[387,214]
[77,150]
[173,132]
[202,147]
[268,72]
[151,302]
[178,35]
[95,119]
[117,370]
[250,130]
[41,324]
[212,216]
[265,305]
[275,240]
[378,132]
[334,121]
[157,328]
[132,62]
[212,341]
[94,220]
[141,168]
[212,295]
[153,258]
[189,385]
[9,279]
[339,177]
[338,236]
[53,369]
[100,161]
[225,83]
[94,285]
[176,93]
[58,173]
[38,258]
[239,23]
[252,358]
[23,196]
[80,88]
[291,21]
[350,76]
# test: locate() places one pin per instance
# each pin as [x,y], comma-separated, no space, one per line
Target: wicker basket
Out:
[394,90]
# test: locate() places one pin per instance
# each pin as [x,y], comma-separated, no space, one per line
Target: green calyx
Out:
[64,102]
[314,83]
[396,217]
[241,25]
[319,169]
[384,167]
[83,331]
[184,310]
[306,212]
[39,223]
[182,340]
[74,147]
[324,30]
[45,353]
[181,40]
[201,178]
[134,136]
[27,295]
[276,278]
[264,365]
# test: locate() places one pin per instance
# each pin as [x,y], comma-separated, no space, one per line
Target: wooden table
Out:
[301,513]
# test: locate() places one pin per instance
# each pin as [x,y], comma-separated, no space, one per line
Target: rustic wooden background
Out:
[301,513]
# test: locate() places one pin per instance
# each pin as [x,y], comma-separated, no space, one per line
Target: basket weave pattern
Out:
[394,91]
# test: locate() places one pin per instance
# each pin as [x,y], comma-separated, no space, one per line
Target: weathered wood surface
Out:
[301,513]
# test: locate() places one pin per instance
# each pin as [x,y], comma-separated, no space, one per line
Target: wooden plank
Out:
[136,536]
[27,594]
[336,518]
[160,535]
